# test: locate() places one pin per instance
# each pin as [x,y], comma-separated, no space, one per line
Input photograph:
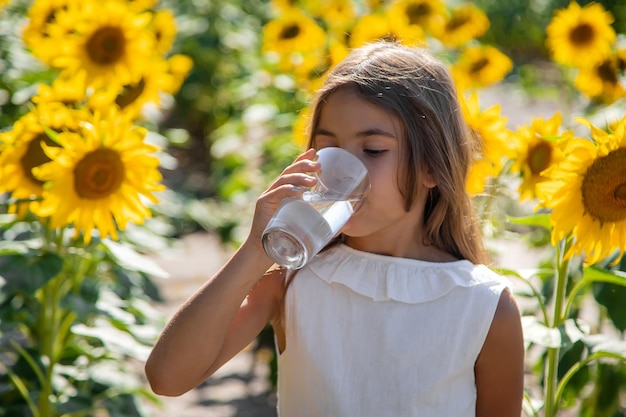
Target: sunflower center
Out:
[130,93]
[107,45]
[417,12]
[456,22]
[51,17]
[606,71]
[539,157]
[290,31]
[620,192]
[479,65]
[99,174]
[604,187]
[35,156]
[582,34]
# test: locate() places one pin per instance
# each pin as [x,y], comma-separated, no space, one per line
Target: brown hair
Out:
[417,88]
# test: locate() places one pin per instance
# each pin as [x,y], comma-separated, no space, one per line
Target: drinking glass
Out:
[300,228]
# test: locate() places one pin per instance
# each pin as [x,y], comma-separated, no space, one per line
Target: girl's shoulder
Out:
[274,281]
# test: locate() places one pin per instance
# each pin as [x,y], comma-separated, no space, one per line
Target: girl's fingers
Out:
[274,196]
[302,164]
[299,173]
[308,154]
[295,179]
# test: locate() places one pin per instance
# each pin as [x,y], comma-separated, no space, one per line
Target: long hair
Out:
[416,87]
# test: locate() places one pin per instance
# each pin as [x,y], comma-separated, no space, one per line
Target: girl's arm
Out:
[230,309]
[215,323]
[499,369]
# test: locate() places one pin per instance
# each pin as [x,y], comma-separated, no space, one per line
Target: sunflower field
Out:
[126,124]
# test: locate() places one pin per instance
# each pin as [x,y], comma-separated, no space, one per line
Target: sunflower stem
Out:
[551,382]
[47,329]
[48,324]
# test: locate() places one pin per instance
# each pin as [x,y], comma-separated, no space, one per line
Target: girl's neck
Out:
[390,247]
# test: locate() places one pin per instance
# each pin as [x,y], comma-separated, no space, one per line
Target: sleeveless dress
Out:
[373,335]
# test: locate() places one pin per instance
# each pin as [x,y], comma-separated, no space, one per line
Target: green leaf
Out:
[12,247]
[115,340]
[538,333]
[613,298]
[540,220]
[605,344]
[30,360]
[591,275]
[573,330]
[129,259]
[21,387]
[594,274]
[7,220]
[26,273]
[62,334]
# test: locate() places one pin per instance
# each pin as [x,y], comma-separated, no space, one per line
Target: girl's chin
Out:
[351,230]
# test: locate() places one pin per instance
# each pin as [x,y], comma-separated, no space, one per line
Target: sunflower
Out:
[336,14]
[604,81]
[375,5]
[489,126]
[22,150]
[163,27]
[480,66]
[99,177]
[47,23]
[109,42]
[68,90]
[336,52]
[580,37]
[587,194]
[141,5]
[281,5]
[536,148]
[465,22]
[292,32]
[422,13]
[375,27]
[294,41]
[179,67]
[133,98]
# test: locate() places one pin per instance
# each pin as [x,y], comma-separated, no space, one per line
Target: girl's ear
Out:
[427,178]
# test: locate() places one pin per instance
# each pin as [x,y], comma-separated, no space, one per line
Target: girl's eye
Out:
[374,152]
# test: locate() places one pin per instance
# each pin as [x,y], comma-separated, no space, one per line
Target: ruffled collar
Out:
[386,278]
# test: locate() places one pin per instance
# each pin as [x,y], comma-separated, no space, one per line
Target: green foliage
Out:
[72,323]
[518,26]
[574,356]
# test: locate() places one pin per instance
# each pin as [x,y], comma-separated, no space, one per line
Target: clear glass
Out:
[300,228]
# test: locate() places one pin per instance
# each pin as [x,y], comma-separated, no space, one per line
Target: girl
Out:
[397,317]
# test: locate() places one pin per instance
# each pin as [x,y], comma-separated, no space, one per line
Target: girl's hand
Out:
[291,183]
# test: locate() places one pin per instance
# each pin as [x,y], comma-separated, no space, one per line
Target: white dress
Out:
[372,335]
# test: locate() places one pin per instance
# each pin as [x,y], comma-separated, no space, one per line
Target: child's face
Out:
[373,135]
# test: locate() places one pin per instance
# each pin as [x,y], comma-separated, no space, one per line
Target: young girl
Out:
[397,317]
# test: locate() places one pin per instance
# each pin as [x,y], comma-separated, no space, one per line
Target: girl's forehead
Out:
[350,114]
